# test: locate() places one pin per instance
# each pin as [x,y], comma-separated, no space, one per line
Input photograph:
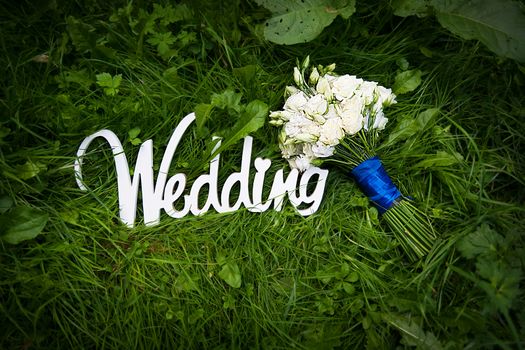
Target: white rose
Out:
[300,162]
[332,112]
[289,150]
[331,132]
[321,150]
[351,112]
[352,123]
[384,96]
[305,137]
[379,121]
[366,90]
[311,128]
[316,106]
[323,87]
[345,86]
[296,102]
[299,124]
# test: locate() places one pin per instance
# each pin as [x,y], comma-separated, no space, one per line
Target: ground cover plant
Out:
[73,276]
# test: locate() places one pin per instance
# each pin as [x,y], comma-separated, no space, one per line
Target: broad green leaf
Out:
[408,126]
[251,119]
[133,133]
[298,21]
[231,274]
[500,25]
[483,240]
[29,169]
[425,117]
[407,81]
[109,83]
[440,159]
[202,114]
[406,8]
[22,224]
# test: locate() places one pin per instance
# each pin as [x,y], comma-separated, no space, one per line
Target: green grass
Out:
[336,279]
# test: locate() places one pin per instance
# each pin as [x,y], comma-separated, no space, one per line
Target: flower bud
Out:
[298,77]
[314,76]
[306,62]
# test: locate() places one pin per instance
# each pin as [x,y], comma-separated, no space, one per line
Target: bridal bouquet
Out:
[339,118]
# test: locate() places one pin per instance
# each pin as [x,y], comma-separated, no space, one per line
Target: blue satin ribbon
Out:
[372,178]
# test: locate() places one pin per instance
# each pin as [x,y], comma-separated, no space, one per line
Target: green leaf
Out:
[29,169]
[482,241]
[228,99]
[298,21]
[440,159]
[134,133]
[407,81]
[408,126]
[425,117]
[231,274]
[412,333]
[109,83]
[348,288]
[406,8]
[202,114]
[22,224]
[252,118]
[500,25]
[163,41]
[353,277]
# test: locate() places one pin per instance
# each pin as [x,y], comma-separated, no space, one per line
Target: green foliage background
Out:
[72,276]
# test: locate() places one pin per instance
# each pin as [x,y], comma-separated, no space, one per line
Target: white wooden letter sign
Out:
[164,192]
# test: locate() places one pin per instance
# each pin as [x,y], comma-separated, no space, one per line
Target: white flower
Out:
[316,106]
[331,132]
[351,112]
[279,117]
[296,102]
[384,96]
[332,112]
[321,150]
[290,90]
[379,121]
[300,162]
[301,129]
[366,91]
[323,87]
[345,86]
[289,150]
[305,137]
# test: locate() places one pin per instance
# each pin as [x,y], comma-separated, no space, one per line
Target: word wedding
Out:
[166,193]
